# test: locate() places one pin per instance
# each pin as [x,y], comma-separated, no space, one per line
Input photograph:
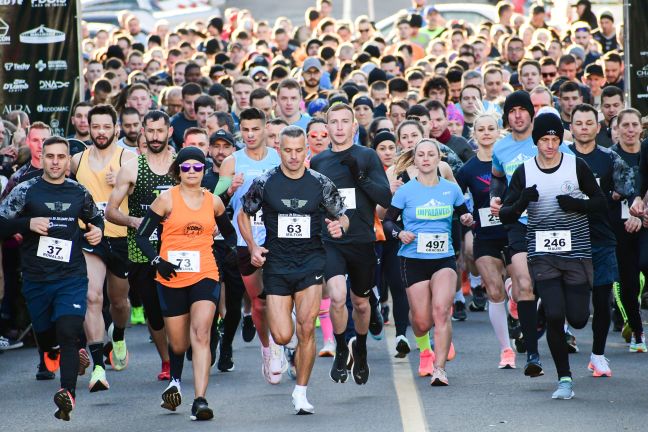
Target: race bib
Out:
[553,241]
[625,210]
[188,261]
[101,206]
[54,249]
[257,219]
[293,226]
[432,243]
[488,219]
[349,197]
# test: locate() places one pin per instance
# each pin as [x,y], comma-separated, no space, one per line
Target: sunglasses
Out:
[321,134]
[197,167]
[260,78]
[549,74]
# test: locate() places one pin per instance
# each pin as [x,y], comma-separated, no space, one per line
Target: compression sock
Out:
[423,342]
[177,364]
[118,333]
[527,311]
[96,352]
[497,315]
[325,320]
[340,341]
[361,342]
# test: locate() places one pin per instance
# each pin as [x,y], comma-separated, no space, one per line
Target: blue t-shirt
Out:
[303,121]
[427,212]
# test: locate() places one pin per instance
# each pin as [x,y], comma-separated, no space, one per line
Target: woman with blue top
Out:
[428,268]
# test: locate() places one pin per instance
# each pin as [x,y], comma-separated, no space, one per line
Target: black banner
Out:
[637,54]
[39,60]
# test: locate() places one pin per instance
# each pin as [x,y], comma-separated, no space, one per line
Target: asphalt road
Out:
[480,396]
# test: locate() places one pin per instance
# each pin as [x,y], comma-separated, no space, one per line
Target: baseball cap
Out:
[312,62]
[259,69]
[594,69]
[222,134]
[607,14]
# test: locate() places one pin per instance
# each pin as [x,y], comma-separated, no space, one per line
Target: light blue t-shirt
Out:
[303,121]
[251,169]
[427,212]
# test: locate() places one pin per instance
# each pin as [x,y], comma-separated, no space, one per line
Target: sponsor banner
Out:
[637,55]
[40,66]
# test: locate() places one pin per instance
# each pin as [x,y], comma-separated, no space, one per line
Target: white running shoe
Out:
[599,366]
[278,362]
[328,350]
[301,404]
[265,366]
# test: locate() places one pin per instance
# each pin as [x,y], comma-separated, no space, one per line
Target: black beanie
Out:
[517,98]
[377,75]
[547,124]
[188,153]
[383,135]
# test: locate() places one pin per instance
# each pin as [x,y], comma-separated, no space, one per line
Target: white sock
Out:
[265,350]
[459,297]
[566,327]
[299,390]
[475,281]
[175,382]
[497,315]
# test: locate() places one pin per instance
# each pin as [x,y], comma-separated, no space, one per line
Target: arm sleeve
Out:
[460,176]
[331,199]
[224,182]
[227,229]
[643,169]
[623,178]
[375,183]
[11,209]
[497,186]
[90,213]
[148,225]
[510,211]
[587,183]
[452,158]
[390,227]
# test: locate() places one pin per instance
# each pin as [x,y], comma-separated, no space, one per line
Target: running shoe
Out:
[520,345]
[52,359]
[451,352]
[172,396]
[247,328]
[64,403]
[459,312]
[200,410]
[301,404]
[570,340]
[137,316]
[439,377]
[376,324]
[292,368]
[265,366]
[426,363]
[512,304]
[165,372]
[638,346]
[514,327]
[360,368]
[479,299]
[328,350]
[402,347]
[43,374]
[507,359]
[384,311]
[626,333]
[7,344]
[225,362]
[119,354]
[84,361]
[338,371]
[278,362]
[98,381]
[565,389]
[600,366]
[533,367]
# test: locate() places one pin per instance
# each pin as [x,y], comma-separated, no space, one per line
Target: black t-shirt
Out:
[293,214]
[57,255]
[361,196]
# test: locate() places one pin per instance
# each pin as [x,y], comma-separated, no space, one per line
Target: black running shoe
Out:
[171,397]
[459,312]
[376,323]
[570,340]
[360,368]
[200,410]
[248,331]
[225,362]
[533,367]
[43,374]
[402,347]
[479,299]
[514,327]
[65,403]
[339,372]
[520,345]
[384,311]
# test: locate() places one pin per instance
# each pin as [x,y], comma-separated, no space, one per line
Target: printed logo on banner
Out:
[56,129]
[52,84]
[42,35]
[11,2]
[48,3]
[643,72]
[51,109]
[16,86]
[16,67]
[17,107]
[4,29]
[51,65]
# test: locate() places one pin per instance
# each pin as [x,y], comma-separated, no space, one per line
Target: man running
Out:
[295,201]
[360,178]
[46,211]
[96,169]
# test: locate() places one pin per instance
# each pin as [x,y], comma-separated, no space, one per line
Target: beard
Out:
[160,149]
[109,141]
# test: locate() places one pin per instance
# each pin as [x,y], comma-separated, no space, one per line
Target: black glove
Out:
[529,194]
[165,268]
[569,203]
[352,163]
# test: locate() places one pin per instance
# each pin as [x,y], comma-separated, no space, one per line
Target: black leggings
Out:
[142,276]
[562,301]
[234,290]
[66,333]
[627,251]
[601,297]
[390,275]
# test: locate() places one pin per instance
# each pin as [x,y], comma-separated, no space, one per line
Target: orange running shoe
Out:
[84,361]
[52,360]
[426,362]
[507,359]
[451,352]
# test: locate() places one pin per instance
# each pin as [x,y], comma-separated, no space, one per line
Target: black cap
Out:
[418,111]
[383,135]
[222,134]
[363,100]
[372,50]
[416,20]
[518,98]
[188,153]
[594,69]
[547,124]
[351,89]
[377,74]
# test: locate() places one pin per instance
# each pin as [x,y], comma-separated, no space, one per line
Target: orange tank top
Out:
[187,239]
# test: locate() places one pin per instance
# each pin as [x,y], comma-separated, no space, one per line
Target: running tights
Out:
[628,247]
[234,290]
[562,302]
[601,317]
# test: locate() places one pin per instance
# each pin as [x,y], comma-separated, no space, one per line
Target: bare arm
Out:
[126,178]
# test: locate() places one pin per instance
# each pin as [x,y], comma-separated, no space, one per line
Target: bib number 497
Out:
[432,243]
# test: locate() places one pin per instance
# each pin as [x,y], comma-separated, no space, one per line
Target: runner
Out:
[46,211]
[141,181]
[359,176]
[96,169]
[295,201]
[553,186]
[187,274]
[252,161]
[428,268]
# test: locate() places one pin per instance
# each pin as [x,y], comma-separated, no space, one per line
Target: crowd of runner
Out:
[278,176]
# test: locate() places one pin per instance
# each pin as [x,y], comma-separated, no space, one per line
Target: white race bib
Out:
[257,219]
[432,243]
[625,210]
[101,206]
[488,219]
[188,261]
[293,226]
[349,197]
[54,249]
[553,241]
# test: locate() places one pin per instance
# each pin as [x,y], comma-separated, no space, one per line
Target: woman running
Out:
[187,273]
[428,268]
